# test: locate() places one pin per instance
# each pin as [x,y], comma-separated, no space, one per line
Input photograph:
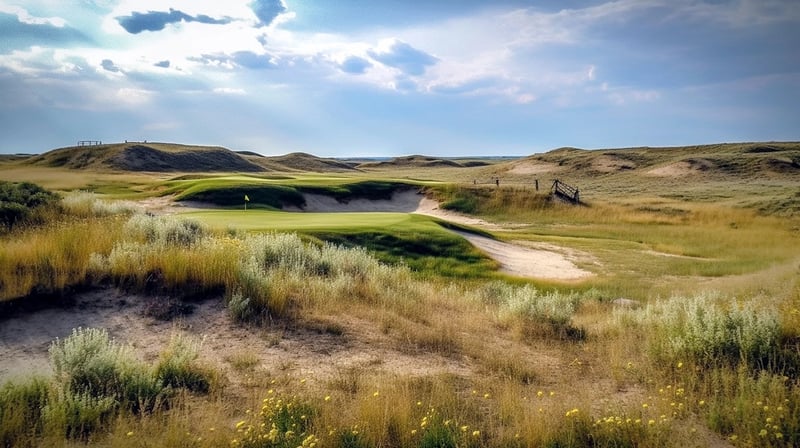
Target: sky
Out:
[356,78]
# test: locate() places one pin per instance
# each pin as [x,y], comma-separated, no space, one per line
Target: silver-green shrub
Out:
[710,330]
[89,363]
[178,368]
[165,230]
[528,303]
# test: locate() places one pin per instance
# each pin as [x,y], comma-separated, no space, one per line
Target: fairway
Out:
[263,220]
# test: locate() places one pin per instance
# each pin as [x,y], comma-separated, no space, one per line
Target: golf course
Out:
[163,294]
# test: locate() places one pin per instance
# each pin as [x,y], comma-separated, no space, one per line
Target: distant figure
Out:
[497,181]
[536,181]
[474,181]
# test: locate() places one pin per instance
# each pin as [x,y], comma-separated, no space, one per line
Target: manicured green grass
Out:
[267,220]
[422,243]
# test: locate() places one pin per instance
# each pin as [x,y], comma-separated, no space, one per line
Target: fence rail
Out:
[566,192]
[89,142]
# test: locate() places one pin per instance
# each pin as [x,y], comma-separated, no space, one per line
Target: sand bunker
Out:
[526,262]
[401,202]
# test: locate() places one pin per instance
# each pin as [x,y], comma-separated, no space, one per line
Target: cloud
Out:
[18,33]
[158,20]
[355,65]
[108,65]
[23,16]
[267,10]
[229,91]
[404,84]
[472,86]
[402,56]
[245,59]
[162,64]
[134,97]
[248,59]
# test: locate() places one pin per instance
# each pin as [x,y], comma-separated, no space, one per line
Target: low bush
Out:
[178,367]
[702,330]
[20,202]
[89,364]
[538,313]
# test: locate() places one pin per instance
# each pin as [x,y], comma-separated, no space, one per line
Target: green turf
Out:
[420,242]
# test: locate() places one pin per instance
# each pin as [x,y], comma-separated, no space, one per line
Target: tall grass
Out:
[733,361]
[86,204]
[52,259]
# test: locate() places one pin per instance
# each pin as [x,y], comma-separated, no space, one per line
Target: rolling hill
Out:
[415,161]
[156,157]
[727,160]
[299,161]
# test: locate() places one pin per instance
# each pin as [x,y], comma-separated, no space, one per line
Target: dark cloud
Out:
[162,64]
[267,10]
[108,65]
[355,65]
[158,20]
[17,35]
[405,58]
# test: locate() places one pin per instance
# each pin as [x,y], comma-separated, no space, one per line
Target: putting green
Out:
[307,222]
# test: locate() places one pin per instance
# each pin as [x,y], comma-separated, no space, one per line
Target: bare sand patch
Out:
[611,164]
[678,169]
[522,261]
[25,339]
[528,167]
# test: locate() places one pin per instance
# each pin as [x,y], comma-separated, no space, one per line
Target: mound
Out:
[157,157]
[146,158]
[415,161]
[299,161]
[719,161]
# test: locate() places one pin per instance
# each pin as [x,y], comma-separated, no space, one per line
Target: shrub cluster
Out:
[21,201]
[702,330]
[95,379]
[539,312]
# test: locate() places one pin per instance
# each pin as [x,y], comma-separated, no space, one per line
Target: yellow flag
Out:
[246,199]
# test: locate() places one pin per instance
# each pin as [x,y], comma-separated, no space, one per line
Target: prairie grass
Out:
[52,259]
